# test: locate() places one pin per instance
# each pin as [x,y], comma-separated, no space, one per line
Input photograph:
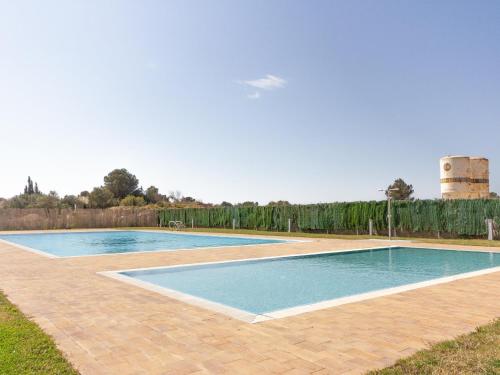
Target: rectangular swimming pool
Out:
[268,288]
[66,244]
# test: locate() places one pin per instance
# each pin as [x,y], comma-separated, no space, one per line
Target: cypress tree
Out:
[30,186]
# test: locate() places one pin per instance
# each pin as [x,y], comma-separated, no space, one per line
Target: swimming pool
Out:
[68,244]
[255,290]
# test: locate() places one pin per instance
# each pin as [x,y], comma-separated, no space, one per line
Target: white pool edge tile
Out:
[30,249]
[50,255]
[375,294]
[187,298]
[283,313]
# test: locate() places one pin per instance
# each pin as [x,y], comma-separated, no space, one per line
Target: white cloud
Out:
[255,95]
[269,82]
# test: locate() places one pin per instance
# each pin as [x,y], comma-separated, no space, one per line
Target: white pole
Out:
[289,225]
[490,229]
[192,223]
[389,215]
[370,227]
[234,223]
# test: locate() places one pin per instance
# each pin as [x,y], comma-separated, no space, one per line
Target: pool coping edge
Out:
[249,317]
[53,256]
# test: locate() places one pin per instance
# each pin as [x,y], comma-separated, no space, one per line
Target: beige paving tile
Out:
[108,327]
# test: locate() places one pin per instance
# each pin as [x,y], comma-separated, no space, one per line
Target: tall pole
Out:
[389,216]
[489,222]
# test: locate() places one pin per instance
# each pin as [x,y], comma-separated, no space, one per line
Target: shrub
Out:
[132,200]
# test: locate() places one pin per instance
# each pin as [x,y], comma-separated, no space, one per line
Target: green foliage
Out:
[33,198]
[453,217]
[121,183]
[152,195]
[279,203]
[132,200]
[71,201]
[20,201]
[101,197]
[247,203]
[403,192]
[50,200]
[29,189]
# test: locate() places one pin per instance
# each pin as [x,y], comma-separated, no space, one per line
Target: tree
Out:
[403,192]
[121,183]
[494,195]
[188,200]
[132,200]
[101,197]
[226,204]
[247,204]
[153,195]
[279,203]
[28,189]
[31,188]
[175,196]
[70,201]
[50,200]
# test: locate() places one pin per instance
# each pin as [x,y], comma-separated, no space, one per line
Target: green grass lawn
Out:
[458,241]
[471,354]
[25,348]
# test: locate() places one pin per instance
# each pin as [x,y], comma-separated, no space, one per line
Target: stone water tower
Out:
[464,177]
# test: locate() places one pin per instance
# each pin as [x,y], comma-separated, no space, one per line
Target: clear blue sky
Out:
[309,101]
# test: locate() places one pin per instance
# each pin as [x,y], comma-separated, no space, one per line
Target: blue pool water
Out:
[112,242]
[262,286]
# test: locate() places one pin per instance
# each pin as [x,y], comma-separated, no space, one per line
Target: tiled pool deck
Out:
[108,327]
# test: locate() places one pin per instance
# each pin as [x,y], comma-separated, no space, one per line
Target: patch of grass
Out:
[459,241]
[471,354]
[456,241]
[25,348]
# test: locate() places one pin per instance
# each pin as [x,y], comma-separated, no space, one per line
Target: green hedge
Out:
[453,217]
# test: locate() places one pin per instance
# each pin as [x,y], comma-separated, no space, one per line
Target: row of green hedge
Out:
[454,217]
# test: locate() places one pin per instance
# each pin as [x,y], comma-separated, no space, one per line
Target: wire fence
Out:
[446,218]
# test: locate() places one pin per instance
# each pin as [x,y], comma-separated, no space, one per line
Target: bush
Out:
[132,200]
